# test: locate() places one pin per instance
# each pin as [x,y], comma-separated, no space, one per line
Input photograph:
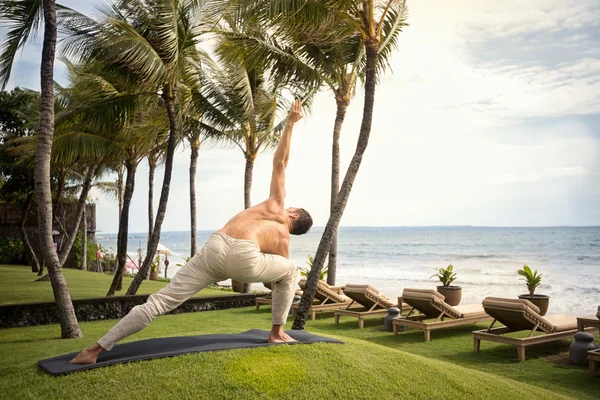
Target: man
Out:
[252,247]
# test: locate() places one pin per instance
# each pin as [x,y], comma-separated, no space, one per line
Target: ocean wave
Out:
[588,258]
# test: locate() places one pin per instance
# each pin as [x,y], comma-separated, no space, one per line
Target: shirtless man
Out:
[252,247]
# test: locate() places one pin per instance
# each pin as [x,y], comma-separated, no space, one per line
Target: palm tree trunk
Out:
[247,204]
[334,219]
[84,240]
[35,266]
[67,318]
[195,145]
[41,272]
[120,189]
[169,98]
[66,247]
[122,236]
[335,186]
[248,181]
[152,169]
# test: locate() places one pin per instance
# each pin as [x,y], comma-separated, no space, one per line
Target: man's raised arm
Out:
[282,154]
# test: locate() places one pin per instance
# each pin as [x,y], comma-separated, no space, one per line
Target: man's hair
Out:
[301,225]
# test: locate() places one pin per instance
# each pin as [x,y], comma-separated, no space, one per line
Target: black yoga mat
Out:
[172,346]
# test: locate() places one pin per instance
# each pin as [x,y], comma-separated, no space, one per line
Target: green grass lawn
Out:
[17,285]
[373,364]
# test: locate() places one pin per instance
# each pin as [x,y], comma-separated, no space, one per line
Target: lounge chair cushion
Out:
[522,314]
[368,296]
[470,310]
[326,292]
[561,322]
[510,304]
[430,303]
[354,286]
[409,291]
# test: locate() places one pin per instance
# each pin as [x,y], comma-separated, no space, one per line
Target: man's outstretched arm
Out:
[282,154]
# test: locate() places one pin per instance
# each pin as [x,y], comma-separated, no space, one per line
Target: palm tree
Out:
[201,122]
[369,18]
[250,101]
[315,60]
[27,16]
[154,41]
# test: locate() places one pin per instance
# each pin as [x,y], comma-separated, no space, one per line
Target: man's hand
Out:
[296,113]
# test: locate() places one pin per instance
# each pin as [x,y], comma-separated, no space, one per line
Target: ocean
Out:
[485,259]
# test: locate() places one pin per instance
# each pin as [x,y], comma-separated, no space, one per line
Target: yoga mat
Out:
[172,346]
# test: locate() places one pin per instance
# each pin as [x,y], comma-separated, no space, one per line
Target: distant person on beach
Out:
[252,247]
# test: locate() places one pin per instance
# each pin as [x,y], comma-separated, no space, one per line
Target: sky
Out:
[489,116]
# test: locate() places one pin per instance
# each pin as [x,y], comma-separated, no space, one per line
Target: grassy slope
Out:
[17,285]
[358,369]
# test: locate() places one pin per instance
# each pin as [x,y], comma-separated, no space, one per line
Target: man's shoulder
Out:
[271,205]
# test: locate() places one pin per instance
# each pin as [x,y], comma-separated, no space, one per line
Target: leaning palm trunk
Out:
[120,189]
[66,248]
[67,318]
[164,194]
[340,205]
[193,165]
[152,160]
[335,186]
[84,240]
[35,266]
[117,281]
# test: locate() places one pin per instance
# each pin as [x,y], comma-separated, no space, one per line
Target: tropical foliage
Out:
[146,76]
[445,275]
[532,278]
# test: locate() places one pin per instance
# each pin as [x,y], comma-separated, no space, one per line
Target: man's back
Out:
[265,224]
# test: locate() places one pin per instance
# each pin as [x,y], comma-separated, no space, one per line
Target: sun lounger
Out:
[371,301]
[521,315]
[268,300]
[594,359]
[326,298]
[431,304]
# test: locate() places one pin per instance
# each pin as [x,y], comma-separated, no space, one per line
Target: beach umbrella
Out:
[130,265]
[162,249]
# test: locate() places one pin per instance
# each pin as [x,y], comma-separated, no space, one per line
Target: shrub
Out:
[11,251]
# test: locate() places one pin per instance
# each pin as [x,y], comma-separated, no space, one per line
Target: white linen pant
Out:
[220,258]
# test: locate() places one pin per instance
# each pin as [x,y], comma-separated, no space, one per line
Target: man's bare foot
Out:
[281,338]
[88,356]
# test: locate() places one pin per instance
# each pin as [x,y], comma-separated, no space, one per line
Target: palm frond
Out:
[23,19]
[392,25]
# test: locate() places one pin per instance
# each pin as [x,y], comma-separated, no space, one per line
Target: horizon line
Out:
[401,226]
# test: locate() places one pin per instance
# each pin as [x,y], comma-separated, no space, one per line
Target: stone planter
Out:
[540,300]
[153,275]
[453,294]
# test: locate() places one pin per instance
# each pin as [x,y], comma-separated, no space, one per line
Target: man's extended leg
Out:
[193,277]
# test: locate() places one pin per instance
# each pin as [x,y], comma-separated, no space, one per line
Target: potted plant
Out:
[154,269]
[533,280]
[305,271]
[453,294]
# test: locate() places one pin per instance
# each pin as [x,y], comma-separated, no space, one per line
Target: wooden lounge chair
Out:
[326,298]
[594,359]
[373,303]
[521,315]
[268,299]
[431,304]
